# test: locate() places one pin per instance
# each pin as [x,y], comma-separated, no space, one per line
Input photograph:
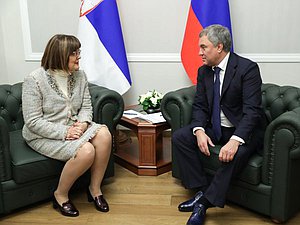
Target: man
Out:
[231,117]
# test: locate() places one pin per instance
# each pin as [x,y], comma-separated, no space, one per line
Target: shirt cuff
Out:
[234,137]
[197,128]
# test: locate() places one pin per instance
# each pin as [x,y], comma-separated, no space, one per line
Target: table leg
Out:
[150,147]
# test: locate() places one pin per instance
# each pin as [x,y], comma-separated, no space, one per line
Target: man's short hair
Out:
[218,34]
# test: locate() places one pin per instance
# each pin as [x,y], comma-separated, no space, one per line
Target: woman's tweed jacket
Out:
[48,113]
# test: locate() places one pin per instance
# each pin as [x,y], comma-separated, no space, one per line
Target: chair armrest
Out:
[5,169]
[108,106]
[283,136]
[176,107]
[282,143]
[295,152]
[281,166]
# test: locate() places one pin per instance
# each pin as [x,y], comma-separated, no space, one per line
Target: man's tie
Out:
[216,120]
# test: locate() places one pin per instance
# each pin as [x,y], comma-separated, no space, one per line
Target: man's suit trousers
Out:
[192,174]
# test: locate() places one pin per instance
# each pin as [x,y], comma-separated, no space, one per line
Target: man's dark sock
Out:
[202,188]
[205,202]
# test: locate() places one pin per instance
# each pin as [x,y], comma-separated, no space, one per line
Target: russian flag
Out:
[202,13]
[103,55]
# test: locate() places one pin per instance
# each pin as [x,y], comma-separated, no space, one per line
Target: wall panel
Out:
[264,31]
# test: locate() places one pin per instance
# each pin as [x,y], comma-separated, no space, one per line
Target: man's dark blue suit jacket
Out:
[240,99]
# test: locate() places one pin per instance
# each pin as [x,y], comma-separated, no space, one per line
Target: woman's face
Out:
[73,63]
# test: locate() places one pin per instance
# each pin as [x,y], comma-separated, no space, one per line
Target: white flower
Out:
[150,99]
[148,94]
[142,98]
[154,101]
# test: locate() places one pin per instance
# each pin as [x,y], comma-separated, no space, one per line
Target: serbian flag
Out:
[202,13]
[103,55]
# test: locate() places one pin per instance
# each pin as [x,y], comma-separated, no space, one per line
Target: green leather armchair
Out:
[270,182]
[26,176]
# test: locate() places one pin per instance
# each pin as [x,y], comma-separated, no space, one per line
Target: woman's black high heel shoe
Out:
[99,201]
[67,208]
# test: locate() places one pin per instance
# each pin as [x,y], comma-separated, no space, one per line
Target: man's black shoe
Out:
[188,205]
[198,215]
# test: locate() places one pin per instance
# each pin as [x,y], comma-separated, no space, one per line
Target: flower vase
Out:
[152,110]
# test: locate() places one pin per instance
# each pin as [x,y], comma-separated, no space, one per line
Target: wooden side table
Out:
[146,152]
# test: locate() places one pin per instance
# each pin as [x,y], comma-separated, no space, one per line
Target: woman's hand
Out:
[83,126]
[76,130]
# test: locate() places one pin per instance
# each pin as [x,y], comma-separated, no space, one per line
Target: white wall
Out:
[264,31]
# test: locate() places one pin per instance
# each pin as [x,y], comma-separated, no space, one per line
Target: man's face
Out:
[209,53]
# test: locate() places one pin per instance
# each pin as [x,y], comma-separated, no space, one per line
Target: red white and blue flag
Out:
[202,13]
[103,55]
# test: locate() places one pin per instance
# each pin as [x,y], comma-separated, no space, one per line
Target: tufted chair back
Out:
[279,99]
[11,105]
[275,101]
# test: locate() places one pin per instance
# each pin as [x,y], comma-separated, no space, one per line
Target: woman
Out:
[57,112]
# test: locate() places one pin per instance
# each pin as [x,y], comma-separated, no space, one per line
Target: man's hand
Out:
[203,140]
[228,151]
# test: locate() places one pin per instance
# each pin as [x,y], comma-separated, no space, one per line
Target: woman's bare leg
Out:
[102,144]
[73,169]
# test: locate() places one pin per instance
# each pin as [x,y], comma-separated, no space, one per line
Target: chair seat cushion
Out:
[251,173]
[27,164]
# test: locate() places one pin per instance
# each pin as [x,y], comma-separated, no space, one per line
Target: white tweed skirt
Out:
[64,150]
